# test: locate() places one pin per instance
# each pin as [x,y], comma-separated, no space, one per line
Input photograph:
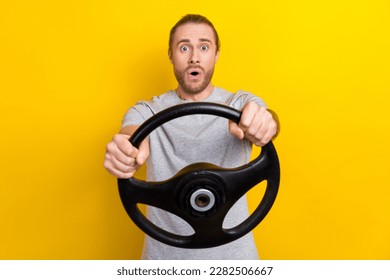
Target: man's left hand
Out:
[257,124]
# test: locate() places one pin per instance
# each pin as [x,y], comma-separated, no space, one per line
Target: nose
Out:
[194,58]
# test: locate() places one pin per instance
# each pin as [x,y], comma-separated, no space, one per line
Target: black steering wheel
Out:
[201,193]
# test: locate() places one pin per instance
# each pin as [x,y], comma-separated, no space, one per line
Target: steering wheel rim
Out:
[224,186]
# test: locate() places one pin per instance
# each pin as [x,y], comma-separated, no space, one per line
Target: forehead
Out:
[194,32]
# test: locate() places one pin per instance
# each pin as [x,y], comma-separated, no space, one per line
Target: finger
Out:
[255,129]
[143,152]
[116,172]
[235,130]
[130,166]
[263,140]
[113,151]
[124,145]
[127,165]
[247,115]
[266,133]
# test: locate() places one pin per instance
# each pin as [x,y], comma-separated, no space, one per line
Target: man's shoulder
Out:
[242,97]
[230,94]
[235,99]
[159,102]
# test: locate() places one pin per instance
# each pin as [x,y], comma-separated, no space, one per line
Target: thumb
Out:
[235,130]
[143,152]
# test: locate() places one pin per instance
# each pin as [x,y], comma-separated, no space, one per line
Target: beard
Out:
[192,88]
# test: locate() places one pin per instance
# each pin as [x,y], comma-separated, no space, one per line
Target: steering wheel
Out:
[201,193]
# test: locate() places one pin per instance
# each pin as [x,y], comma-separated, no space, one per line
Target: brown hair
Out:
[193,18]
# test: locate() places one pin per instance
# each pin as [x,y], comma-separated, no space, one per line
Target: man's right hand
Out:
[122,159]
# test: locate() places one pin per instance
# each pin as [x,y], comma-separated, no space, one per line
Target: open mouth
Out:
[194,73]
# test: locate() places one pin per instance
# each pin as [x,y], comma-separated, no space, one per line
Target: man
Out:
[193,52]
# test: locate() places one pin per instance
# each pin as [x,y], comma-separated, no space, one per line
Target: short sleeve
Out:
[243,97]
[137,114]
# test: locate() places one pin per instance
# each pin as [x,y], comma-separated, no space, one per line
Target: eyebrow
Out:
[188,40]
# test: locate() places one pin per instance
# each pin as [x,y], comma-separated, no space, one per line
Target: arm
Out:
[258,124]
[122,159]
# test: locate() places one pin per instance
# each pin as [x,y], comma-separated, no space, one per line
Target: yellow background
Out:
[70,69]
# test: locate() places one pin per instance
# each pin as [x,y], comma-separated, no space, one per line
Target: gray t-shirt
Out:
[181,142]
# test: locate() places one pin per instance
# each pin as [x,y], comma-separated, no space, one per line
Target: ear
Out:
[170,56]
[216,56]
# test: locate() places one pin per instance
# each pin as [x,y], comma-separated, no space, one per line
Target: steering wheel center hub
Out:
[202,200]
[201,194]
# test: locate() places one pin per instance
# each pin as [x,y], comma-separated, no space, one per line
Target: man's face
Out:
[193,55]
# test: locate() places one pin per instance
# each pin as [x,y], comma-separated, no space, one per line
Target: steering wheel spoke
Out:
[157,194]
[240,180]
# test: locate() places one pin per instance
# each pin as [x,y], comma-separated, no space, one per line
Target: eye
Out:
[184,48]
[204,47]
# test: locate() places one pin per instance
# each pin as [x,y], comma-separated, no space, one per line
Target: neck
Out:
[195,96]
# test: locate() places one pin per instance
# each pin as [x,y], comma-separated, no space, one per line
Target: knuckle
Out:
[130,161]
[110,146]
[258,143]
[116,138]
[244,123]
[274,129]
[259,135]
[129,169]
[261,142]
[270,118]
[107,164]
[251,132]
[107,156]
